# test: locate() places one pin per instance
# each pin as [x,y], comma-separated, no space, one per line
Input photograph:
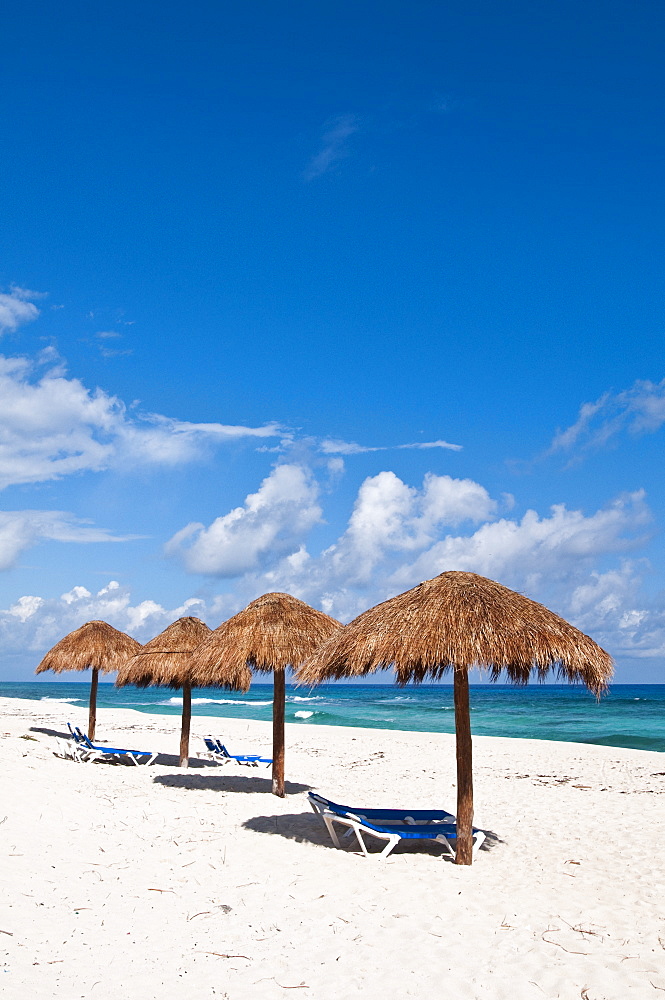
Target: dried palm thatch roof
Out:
[271,633]
[166,660]
[95,644]
[457,621]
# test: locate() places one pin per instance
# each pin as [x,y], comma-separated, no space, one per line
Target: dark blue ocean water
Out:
[628,716]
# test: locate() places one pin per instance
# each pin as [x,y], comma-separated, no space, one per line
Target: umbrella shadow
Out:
[173,760]
[306,828]
[492,841]
[225,783]
[59,733]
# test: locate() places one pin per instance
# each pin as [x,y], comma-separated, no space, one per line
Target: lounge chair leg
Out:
[387,849]
[360,840]
[447,846]
[392,841]
[331,831]
[480,837]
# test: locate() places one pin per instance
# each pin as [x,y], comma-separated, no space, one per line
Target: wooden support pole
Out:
[464,853]
[186,722]
[278,700]
[92,714]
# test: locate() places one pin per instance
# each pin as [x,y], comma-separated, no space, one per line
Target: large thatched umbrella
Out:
[273,632]
[95,645]
[166,661]
[454,622]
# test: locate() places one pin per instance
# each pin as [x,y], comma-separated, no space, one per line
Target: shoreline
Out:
[250,898]
[631,718]
[216,723]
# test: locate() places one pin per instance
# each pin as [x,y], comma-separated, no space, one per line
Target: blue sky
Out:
[330,298]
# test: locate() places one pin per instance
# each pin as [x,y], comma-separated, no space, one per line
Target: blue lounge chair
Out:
[383,816]
[218,752]
[79,750]
[75,734]
[391,825]
[89,751]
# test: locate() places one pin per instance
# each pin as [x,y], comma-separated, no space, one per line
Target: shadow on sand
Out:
[310,829]
[172,760]
[225,783]
[60,733]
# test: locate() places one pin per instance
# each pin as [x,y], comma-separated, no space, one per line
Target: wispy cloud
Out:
[334,146]
[109,352]
[22,529]
[431,444]
[112,352]
[637,410]
[53,426]
[333,446]
[27,293]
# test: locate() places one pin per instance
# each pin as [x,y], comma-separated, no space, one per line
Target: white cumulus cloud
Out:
[32,624]
[271,523]
[535,551]
[17,309]
[391,517]
[398,535]
[577,563]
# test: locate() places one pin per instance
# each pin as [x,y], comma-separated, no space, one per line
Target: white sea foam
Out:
[61,701]
[304,715]
[302,698]
[216,701]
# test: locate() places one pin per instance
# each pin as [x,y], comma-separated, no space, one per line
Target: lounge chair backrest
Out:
[220,754]
[319,802]
[316,799]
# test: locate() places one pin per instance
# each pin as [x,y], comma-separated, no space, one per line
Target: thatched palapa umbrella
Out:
[166,661]
[97,645]
[273,632]
[454,622]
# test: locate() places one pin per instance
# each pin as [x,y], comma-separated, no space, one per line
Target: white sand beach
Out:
[150,883]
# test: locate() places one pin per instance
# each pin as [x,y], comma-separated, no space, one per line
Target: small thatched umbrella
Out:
[458,621]
[95,645]
[273,632]
[166,661]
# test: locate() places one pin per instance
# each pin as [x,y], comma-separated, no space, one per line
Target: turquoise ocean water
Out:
[628,716]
